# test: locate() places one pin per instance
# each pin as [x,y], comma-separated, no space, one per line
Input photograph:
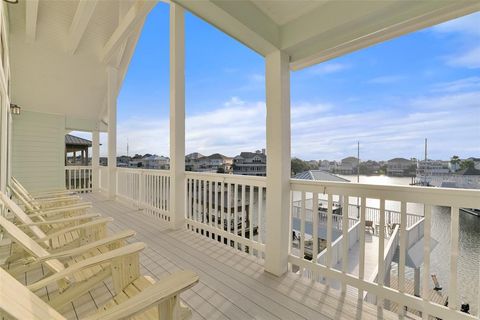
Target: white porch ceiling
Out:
[60,50]
[312,31]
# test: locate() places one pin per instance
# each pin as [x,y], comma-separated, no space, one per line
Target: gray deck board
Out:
[232,284]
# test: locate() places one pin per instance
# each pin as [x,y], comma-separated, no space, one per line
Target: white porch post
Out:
[4,146]
[112,130]
[277,77]
[95,160]
[177,116]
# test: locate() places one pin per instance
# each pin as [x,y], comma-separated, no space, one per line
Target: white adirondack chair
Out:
[154,301]
[45,204]
[54,234]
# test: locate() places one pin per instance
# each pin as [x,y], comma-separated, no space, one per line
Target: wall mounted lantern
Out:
[14,109]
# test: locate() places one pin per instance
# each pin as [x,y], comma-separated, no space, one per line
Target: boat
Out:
[475,212]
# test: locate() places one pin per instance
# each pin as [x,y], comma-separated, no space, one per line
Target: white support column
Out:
[278,162]
[9,147]
[177,116]
[3,146]
[112,130]
[95,160]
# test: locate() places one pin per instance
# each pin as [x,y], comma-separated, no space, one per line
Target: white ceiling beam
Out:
[429,13]
[126,26]
[122,11]
[31,16]
[80,22]
[241,20]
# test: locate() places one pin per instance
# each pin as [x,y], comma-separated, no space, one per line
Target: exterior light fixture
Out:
[11,1]
[14,109]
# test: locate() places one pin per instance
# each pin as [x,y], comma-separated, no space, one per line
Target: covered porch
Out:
[242,275]
[233,285]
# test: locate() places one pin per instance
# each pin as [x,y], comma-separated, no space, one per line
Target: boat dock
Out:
[439,296]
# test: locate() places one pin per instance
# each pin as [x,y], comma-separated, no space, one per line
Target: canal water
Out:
[469,259]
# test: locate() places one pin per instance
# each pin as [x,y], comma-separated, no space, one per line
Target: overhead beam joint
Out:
[80,22]
[31,17]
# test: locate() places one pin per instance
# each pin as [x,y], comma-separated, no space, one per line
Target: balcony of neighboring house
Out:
[78,171]
[264,247]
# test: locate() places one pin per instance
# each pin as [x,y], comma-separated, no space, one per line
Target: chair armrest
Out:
[64,220]
[50,212]
[159,292]
[48,194]
[89,246]
[87,263]
[73,228]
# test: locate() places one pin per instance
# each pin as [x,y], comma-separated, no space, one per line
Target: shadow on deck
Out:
[233,285]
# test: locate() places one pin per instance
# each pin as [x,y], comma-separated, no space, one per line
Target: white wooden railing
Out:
[147,189]
[228,208]
[401,195]
[389,253]
[78,178]
[371,213]
[231,209]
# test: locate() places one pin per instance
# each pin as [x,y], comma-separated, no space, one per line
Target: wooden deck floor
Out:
[233,285]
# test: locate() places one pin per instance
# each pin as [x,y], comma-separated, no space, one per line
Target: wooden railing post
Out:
[278,163]
[141,182]
[95,160]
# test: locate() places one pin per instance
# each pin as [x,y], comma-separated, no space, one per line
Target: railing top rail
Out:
[149,171]
[77,167]
[427,195]
[232,178]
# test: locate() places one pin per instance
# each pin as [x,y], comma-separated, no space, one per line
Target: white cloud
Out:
[235,126]
[257,77]
[451,121]
[467,25]
[386,79]
[327,68]
[469,59]
[457,101]
[302,110]
[467,30]
[470,83]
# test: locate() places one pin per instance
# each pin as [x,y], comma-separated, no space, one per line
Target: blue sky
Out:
[390,96]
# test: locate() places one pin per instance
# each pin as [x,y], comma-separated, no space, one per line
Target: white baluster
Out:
[345,227]
[315,230]
[452,284]
[381,251]
[427,224]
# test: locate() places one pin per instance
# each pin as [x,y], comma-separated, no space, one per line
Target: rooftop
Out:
[319,175]
[77,141]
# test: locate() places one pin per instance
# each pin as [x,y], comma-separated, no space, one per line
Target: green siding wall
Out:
[38,150]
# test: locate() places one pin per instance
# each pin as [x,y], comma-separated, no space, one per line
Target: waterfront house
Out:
[432,167]
[348,165]
[400,167]
[369,167]
[214,163]
[155,162]
[476,162]
[250,163]
[63,63]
